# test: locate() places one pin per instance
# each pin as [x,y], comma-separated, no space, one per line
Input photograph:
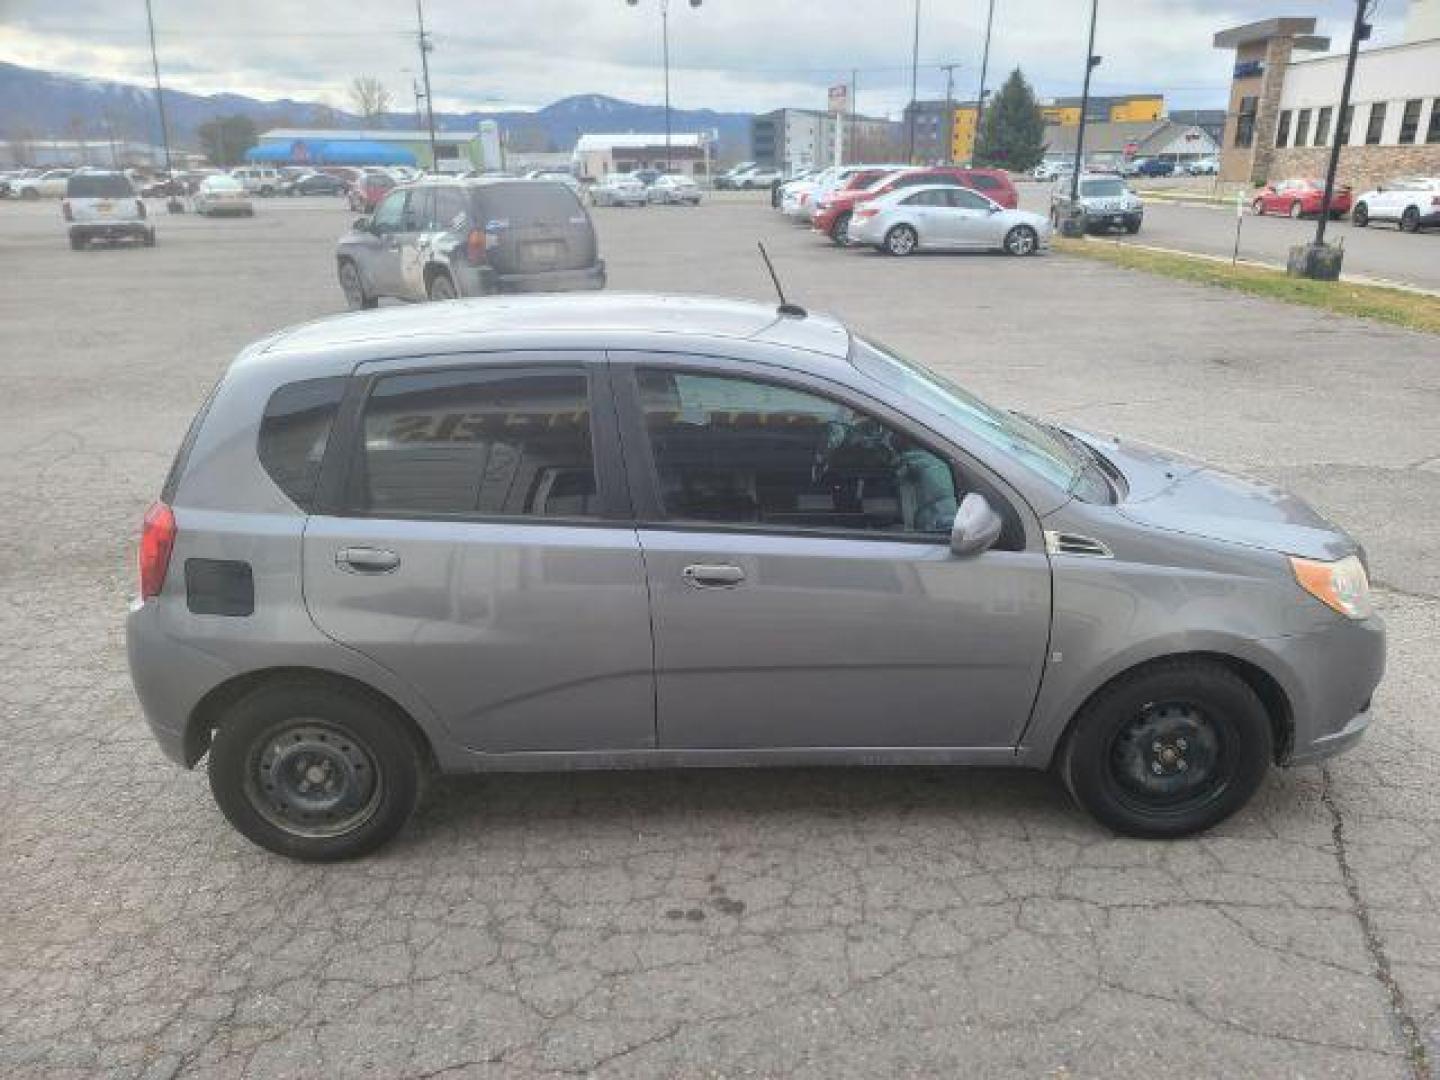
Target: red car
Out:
[835,210]
[1301,197]
[366,193]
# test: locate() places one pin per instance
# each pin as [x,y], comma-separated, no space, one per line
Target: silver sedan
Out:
[944,218]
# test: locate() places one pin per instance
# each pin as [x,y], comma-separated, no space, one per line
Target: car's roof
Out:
[597,317]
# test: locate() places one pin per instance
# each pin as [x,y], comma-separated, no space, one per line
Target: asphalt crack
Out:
[1416,1052]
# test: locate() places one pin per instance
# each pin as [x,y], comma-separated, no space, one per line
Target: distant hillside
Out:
[46,104]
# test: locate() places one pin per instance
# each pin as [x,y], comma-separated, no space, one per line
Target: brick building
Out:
[1282,117]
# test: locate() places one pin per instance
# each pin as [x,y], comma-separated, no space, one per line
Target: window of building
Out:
[1245,122]
[1322,126]
[740,452]
[1376,127]
[1432,134]
[1347,121]
[495,443]
[1282,130]
[1410,121]
[1302,128]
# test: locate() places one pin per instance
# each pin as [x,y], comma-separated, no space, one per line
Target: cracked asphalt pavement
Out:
[806,923]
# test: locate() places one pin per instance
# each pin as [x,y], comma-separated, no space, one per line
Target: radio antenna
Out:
[794,311]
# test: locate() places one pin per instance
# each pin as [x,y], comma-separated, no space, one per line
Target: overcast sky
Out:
[751,55]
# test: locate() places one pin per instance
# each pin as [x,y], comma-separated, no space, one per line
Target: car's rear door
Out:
[535,227]
[474,537]
[802,586]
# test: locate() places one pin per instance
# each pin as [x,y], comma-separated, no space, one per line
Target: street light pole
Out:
[984,69]
[425,48]
[1091,63]
[665,55]
[173,202]
[1360,33]
[914,83]
[949,70]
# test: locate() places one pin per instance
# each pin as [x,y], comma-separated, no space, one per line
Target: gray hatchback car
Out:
[441,239]
[612,531]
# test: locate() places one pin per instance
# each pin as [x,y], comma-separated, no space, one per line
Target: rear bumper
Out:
[109,230]
[170,678]
[484,280]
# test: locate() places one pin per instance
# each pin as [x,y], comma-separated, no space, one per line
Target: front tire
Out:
[1410,220]
[901,241]
[1258,207]
[442,287]
[1296,210]
[315,772]
[1168,750]
[1021,240]
[1360,216]
[352,284]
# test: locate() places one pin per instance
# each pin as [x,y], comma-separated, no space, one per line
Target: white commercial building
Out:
[686,152]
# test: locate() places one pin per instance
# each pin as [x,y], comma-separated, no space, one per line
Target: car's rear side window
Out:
[98,186]
[984,182]
[527,202]
[496,443]
[294,433]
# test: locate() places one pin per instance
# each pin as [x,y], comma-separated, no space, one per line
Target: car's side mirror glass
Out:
[364,224]
[977,526]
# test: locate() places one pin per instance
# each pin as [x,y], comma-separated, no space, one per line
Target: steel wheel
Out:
[312,780]
[901,240]
[1021,240]
[1170,759]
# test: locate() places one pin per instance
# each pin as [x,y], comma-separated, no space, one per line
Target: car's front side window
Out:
[494,443]
[743,452]
[390,212]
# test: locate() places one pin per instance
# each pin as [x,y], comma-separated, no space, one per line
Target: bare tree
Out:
[369,96]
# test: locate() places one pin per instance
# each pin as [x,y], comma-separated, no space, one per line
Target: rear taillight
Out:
[475,247]
[1435,200]
[157,540]
[140,207]
[65,209]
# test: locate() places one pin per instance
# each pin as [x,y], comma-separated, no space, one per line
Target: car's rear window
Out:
[527,201]
[984,181]
[294,432]
[1102,189]
[98,186]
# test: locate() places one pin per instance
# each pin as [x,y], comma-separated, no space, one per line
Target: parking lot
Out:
[815,923]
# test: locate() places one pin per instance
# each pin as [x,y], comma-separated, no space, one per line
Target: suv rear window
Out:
[293,434]
[527,201]
[98,186]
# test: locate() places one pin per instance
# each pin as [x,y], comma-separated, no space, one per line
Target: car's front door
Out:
[481,548]
[415,225]
[380,246]
[971,222]
[802,586]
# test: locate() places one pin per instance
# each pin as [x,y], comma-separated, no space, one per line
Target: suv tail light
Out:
[475,247]
[157,541]
[65,209]
[140,207]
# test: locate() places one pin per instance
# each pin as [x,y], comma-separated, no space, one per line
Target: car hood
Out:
[1169,491]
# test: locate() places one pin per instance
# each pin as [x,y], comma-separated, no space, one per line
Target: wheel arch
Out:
[209,711]
[1272,694]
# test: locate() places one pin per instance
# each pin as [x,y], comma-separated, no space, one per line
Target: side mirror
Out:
[994,209]
[362,224]
[977,526]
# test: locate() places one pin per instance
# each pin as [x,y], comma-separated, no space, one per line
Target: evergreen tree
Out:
[1012,133]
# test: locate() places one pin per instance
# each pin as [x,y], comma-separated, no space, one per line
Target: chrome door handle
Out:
[701,576]
[365,560]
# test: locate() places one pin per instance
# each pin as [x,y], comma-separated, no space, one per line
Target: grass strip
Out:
[1415,311]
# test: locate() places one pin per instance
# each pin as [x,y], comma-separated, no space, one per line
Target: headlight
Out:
[1340,585]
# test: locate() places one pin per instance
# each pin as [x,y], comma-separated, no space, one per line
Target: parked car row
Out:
[900,210]
[642,189]
[748,176]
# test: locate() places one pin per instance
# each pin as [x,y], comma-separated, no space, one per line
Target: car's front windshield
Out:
[1041,448]
[1102,189]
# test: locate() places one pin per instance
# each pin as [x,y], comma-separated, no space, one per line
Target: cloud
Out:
[728,54]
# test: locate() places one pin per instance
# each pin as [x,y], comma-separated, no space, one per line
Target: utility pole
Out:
[173,202]
[854,115]
[984,70]
[914,84]
[1361,32]
[949,70]
[665,55]
[425,47]
[1091,63]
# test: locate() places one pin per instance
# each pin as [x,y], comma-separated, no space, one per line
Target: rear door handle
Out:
[702,576]
[366,560]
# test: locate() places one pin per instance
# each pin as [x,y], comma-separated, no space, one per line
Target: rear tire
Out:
[1258,207]
[1410,220]
[442,287]
[901,241]
[1360,216]
[1296,210]
[840,230]
[77,244]
[315,772]
[1169,750]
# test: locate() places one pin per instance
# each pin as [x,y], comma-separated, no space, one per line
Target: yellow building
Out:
[1132,108]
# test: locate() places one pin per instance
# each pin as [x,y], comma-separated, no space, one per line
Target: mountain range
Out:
[49,104]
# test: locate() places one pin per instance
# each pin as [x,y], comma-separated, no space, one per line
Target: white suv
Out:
[258,180]
[104,206]
[48,185]
[1412,202]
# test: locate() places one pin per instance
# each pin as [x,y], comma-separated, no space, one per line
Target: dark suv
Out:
[443,239]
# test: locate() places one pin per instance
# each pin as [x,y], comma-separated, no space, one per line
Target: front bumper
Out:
[1332,674]
[1113,219]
